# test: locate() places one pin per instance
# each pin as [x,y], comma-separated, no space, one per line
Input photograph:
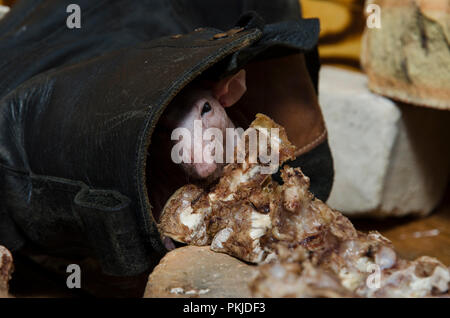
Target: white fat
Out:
[277,271]
[221,237]
[249,174]
[364,264]
[205,211]
[440,280]
[258,253]
[212,197]
[197,292]
[235,180]
[350,279]
[385,257]
[197,235]
[230,197]
[239,177]
[269,258]
[260,224]
[177,290]
[203,291]
[189,219]
[292,194]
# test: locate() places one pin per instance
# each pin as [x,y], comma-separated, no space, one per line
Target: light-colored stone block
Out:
[408,58]
[198,272]
[390,159]
[3,11]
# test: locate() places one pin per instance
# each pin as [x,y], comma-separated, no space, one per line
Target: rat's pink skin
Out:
[215,117]
[208,106]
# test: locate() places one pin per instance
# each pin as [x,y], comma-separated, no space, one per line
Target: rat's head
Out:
[203,104]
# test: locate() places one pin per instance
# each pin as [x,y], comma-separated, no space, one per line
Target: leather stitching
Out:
[312,144]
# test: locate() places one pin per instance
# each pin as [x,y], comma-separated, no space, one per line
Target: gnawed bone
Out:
[235,214]
[6,269]
[297,239]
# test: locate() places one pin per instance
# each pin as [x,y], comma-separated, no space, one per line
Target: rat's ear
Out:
[229,90]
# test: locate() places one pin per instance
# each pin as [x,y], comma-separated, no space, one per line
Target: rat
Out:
[205,101]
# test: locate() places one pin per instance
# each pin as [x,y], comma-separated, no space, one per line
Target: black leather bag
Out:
[74,141]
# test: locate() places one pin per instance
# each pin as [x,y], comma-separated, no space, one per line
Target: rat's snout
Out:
[200,111]
[205,170]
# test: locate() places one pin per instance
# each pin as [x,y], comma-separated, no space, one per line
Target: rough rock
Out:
[390,159]
[408,58]
[199,272]
[6,268]
[3,11]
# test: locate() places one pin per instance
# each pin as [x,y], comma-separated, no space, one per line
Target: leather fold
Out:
[75,141]
[111,230]
[92,222]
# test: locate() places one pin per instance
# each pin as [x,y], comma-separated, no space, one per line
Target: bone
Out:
[6,269]
[313,249]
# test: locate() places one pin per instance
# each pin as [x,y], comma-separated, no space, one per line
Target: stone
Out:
[408,58]
[390,159]
[3,11]
[192,271]
[6,269]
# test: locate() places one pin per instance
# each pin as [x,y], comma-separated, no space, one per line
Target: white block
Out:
[3,11]
[389,159]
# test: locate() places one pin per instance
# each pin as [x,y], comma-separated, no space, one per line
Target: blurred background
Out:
[342,23]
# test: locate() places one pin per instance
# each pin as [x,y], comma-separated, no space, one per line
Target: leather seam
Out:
[11,169]
[312,144]
[32,178]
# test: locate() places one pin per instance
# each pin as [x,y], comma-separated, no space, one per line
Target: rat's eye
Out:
[206,108]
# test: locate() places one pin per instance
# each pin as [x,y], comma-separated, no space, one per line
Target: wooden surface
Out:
[6,2]
[414,237]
